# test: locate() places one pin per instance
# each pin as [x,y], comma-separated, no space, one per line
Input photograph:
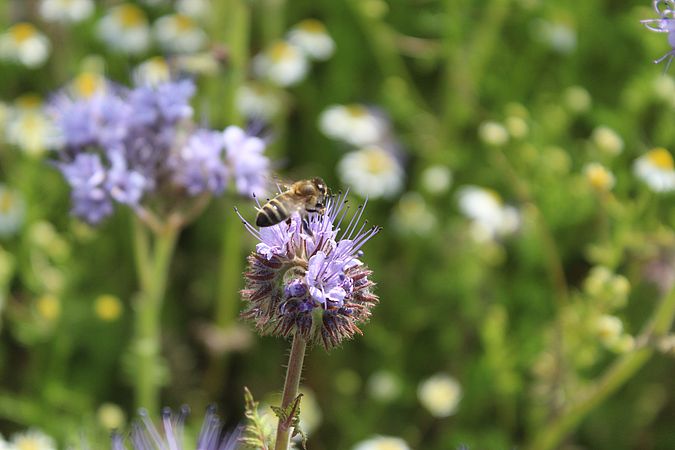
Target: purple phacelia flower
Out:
[247,163]
[199,165]
[124,146]
[146,436]
[306,276]
[664,24]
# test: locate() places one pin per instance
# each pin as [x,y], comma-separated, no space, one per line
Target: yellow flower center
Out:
[312,26]
[661,158]
[357,111]
[377,161]
[6,201]
[130,16]
[28,444]
[49,307]
[108,308]
[599,177]
[183,22]
[87,84]
[280,51]
[21,32]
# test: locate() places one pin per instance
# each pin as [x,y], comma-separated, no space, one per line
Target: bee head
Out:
[320,185]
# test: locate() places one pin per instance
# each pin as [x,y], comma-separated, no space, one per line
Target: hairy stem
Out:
[291,386]
[153,272]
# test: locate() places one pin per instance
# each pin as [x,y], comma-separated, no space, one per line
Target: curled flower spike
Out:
[664,24]
[306,276]
[145,435]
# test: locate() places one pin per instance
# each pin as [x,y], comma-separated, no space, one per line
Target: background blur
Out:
[525,246]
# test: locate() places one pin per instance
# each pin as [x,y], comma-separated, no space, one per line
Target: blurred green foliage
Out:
[512,319]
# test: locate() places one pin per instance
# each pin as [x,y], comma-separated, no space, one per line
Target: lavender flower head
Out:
[145,435]
[138,146]
[664,24]
[306,276]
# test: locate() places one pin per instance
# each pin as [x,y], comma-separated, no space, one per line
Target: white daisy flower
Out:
[12,211]
[599,177]
[372,172]
[493,133]
[282,63]
[440,395]
[198,9]
[24,44]
[32,440]
[311,36]
[152,72]
[178,33]
[384,385]
[607,140]
[412,215]
[125,28]
[354,124]
[256,100]
[87,84]
[66,11]
[490,217]
[656,169]
[436,179]
[382,443]
[29,128]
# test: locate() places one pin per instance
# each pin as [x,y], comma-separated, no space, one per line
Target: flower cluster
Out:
[374,169]
[664,24]
[145,436]
[305,276]
[286,62]
[122,145]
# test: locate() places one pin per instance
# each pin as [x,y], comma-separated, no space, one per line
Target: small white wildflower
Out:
[440,395]
[282,63]
[311,36]
[66,11]
[493,133]
[560,37]
[152,72]
[32,440]
[609,329]
[656,169]
[577,99]
[29,128]
[490,217]
[412,215]
[436,179]
[517,127]
[178,33]
[111,416]
[607,140]
[384,385]
[87,84]
[125,28]
[599,177]
[12,211]
[198,9]
[24,44]
[372,172]
[256,100]
[382,443]
[354,124]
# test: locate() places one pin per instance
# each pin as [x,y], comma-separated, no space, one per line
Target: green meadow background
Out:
[487,313]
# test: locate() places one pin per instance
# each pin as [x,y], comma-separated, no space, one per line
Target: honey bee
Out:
[304,197]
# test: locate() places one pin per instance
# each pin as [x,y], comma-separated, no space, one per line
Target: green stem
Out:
[273,20]
[153,274]
[619,373]
[230,273]
[291,387]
